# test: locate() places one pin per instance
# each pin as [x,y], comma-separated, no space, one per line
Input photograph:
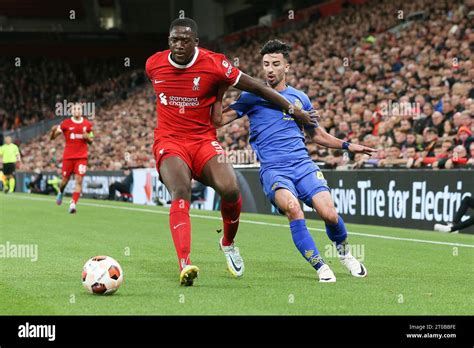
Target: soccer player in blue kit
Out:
[287,172]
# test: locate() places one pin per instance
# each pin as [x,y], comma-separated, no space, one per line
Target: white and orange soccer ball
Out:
[102,275]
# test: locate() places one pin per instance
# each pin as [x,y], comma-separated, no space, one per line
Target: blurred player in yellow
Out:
[10,154]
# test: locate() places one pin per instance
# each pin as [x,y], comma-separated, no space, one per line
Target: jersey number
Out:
[217,146]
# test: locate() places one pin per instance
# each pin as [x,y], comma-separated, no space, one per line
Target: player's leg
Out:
[76,194]
[467,202]
[221,177]
[289,205]
[62,187]
[4,180]
[176,176]
[456,225]
[9,171]
[336,230]
[112,188]
[11,180]
[67,170]
[6,183]
[80,168]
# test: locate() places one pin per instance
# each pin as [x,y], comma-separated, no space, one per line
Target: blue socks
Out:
[305,243]
[338,234]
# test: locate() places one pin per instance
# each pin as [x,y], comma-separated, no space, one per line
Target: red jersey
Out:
[186,93]
[76,146]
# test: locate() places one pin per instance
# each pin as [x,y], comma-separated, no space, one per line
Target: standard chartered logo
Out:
[178,101]
[163,99]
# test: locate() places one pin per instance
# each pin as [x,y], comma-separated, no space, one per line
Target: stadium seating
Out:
[404,91]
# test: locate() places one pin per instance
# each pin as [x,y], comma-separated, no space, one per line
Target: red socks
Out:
[230,215]
[180,227]
[75,196]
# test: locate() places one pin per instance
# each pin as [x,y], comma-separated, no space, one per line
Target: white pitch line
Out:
[253,222]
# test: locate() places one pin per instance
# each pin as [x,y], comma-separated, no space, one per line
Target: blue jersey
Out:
[274,135]
[279,143]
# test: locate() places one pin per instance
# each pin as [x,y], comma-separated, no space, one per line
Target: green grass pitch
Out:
[405,276]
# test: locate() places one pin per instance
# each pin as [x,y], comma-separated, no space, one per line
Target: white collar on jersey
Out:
[180,66]
[72,119]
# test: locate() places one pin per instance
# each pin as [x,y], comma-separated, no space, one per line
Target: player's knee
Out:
[231,193]
[181,192]
[330,216]
[293,211]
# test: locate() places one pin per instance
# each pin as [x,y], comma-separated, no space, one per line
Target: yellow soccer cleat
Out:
[188,274]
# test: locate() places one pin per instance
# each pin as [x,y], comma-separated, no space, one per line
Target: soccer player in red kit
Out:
[186,80]
[77,132]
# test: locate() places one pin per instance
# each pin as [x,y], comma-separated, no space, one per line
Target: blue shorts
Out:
[303,179]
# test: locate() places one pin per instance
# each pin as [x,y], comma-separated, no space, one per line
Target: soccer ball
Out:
[102,275]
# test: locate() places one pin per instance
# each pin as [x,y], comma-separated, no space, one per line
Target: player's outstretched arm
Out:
[221,117]
[54,132]
[321,137]
[249,84]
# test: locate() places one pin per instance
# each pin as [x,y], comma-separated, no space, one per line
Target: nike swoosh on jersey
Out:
[175,227]
[159,81]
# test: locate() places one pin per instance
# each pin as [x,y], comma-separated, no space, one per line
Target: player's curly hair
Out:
[185,22]
[276,46]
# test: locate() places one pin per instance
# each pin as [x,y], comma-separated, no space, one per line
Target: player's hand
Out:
[304,117]
[87,137]
[356,148]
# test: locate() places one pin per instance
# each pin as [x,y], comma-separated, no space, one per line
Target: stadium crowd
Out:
[30,88]
[408,93]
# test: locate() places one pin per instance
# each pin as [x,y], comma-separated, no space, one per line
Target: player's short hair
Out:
[185,22]
[276,46]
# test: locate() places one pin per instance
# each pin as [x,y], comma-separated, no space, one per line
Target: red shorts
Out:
[194,152]
[77,166]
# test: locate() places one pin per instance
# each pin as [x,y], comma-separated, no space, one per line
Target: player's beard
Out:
[275,82]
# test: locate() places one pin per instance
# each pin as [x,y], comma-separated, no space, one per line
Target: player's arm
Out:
[88,136]
[249,84]
[321,137]
[221,117]
[17,155]
[55,131]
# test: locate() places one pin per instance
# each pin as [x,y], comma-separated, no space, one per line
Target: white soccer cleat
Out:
[235,264]
[72,208]
[326,275]
[355,267]
[443,228]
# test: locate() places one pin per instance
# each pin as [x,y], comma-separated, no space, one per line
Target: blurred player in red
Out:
[77,132]
[186,80]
